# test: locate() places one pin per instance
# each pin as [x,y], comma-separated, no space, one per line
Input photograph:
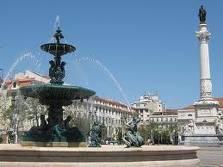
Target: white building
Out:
[164,119]
[147,105]
[111,113]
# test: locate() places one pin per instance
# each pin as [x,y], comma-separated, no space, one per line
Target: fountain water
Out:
[11,98]
[18,60]
[109,73]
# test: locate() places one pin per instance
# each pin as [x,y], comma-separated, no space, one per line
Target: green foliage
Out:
[145,132]
[159,134]
[7,114]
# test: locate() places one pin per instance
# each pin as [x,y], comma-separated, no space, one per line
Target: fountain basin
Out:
[109,156]
[57,49]
[48,93]
[55,97]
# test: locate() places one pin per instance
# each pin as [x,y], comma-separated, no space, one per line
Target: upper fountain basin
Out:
[57,49]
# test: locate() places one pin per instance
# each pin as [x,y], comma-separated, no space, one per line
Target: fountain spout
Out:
[58,35]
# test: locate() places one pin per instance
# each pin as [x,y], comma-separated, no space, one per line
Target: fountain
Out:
[55,95]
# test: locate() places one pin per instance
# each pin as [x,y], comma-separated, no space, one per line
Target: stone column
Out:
[205,77]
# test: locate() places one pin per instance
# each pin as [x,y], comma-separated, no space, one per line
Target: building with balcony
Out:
[164,119]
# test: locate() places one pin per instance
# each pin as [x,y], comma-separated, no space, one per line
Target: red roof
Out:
[220,100]
[113,102]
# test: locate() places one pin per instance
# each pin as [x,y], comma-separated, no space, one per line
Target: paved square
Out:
[211,156]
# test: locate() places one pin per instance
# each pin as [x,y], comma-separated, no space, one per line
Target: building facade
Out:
[165,119]
[111,114]
[147,105]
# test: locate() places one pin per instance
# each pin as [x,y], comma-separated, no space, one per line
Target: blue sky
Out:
[146,45]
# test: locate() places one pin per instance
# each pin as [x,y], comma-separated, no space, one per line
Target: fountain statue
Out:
[95,135]
[56,95]
[132,138]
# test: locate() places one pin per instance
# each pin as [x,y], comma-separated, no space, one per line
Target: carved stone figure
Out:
[189,128]
[95,135]
[219,125]
[202,14]
[132,137]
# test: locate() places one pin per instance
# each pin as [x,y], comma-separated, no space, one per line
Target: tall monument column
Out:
[202,128]
[205,77]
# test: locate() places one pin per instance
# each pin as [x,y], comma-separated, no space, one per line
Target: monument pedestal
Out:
[204,132]
[203,140]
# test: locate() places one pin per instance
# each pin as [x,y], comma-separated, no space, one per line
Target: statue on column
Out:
[202,15]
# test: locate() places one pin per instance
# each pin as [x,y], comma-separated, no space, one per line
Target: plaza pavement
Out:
[211,156]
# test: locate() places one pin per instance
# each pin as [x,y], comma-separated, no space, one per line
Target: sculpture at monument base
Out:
[219,126]
[188,129]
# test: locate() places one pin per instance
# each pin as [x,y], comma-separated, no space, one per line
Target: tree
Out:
[159,134]
[6,110]
[34,110]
